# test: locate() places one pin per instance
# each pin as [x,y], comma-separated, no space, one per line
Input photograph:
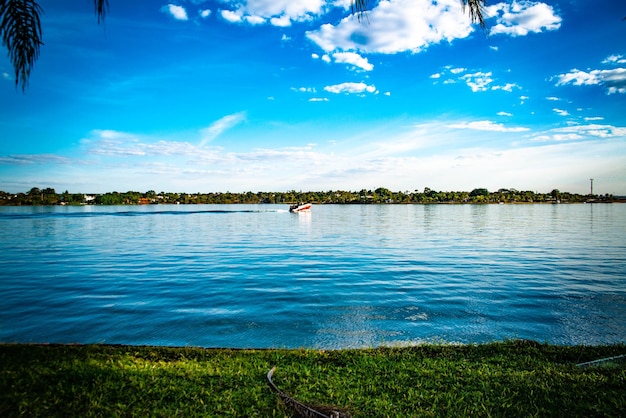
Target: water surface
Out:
[340,276]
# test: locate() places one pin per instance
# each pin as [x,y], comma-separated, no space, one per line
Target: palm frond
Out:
[358,8]
[20,29]
[102,7]
[476,10]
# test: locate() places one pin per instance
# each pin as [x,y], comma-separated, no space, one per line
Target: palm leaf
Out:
[102,6]
[20,29]
[358,8]
[476,10]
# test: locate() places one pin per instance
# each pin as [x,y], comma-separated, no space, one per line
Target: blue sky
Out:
[275,95]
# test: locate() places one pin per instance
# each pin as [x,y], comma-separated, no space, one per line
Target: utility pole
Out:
[591,180]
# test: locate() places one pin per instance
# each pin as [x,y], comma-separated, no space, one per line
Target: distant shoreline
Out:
[49,197]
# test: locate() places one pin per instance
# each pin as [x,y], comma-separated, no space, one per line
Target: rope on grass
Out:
[301,409]
[602,360]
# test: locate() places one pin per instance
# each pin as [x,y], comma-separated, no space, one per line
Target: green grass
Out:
[511,378]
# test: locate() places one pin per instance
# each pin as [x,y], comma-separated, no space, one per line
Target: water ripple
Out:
[341,276]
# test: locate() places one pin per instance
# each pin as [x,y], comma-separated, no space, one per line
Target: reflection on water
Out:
[339,276]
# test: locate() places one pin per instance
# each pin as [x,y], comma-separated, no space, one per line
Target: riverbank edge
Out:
[519,377]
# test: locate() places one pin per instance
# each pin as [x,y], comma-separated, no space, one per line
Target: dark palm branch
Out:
[476,9]
[20,29]
[102,6]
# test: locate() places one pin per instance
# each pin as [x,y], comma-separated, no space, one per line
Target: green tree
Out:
[20,29]
[479,192]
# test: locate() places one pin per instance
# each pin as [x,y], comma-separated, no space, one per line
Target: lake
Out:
[341,276]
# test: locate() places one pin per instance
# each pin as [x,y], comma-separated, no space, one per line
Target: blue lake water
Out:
[341,276]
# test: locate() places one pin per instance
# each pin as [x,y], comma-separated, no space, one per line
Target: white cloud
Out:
[396,26]
[593,118]
[205,13]
[351,88]
[230,16]
[614,80]
[444,157]
[560,112]
[353,59]
[580,132]
[254,20]
[522,17]
[486,125]
[507,87]
[219,126]
[35,159]
[504,114]
[318,99]
[177,12]
[280,13]
[436,75]
[577,78]
[121,144]
[304,89]
[282,21]
[478,81]
[614,59]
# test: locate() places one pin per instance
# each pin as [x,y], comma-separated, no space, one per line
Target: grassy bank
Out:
[512,378]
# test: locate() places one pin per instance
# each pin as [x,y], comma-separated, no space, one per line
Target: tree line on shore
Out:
[49,196]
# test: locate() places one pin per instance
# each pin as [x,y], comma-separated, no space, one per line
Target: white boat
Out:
[300,207]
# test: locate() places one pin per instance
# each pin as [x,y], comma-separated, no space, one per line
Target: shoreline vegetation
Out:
[508,378]
[381,195]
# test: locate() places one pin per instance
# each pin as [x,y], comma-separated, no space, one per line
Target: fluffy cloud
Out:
[177,12]
[614,59]
[614,80]
[351,88]
[431,151]
[230,16]
[353,59]
[506,87]
[522,17]
[278,12]
[486,125]
[478,81]
[396,26]
[580,132]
